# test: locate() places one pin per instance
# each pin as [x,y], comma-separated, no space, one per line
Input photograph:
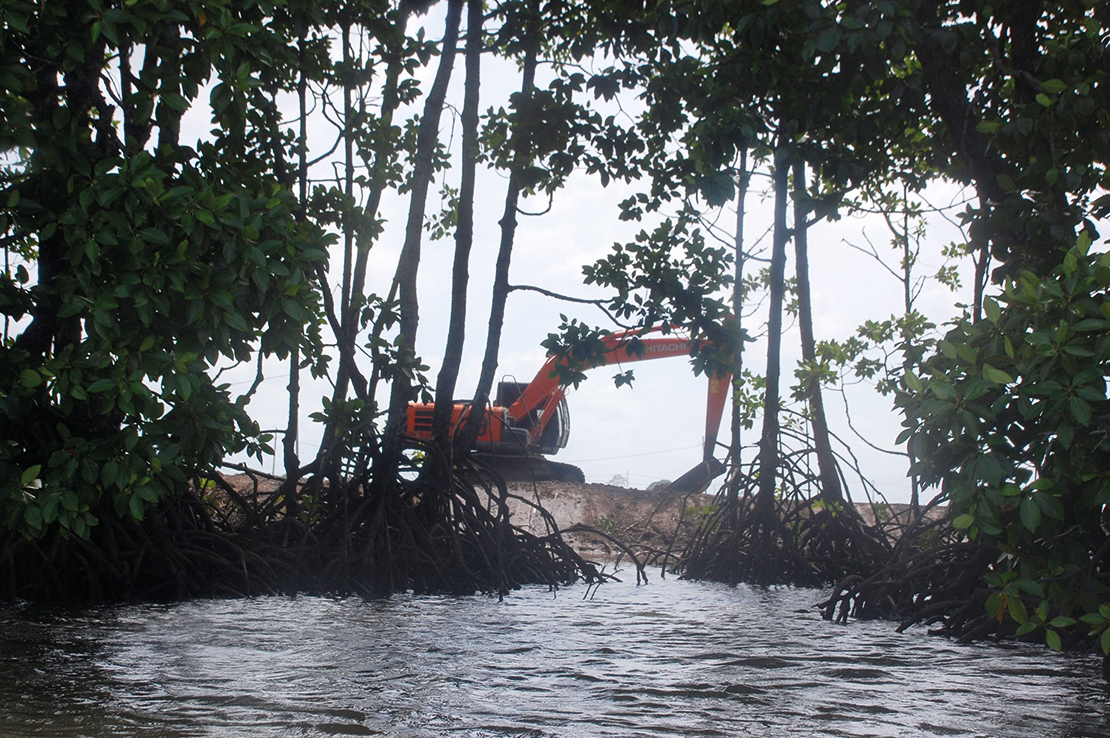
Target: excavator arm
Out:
[539,402]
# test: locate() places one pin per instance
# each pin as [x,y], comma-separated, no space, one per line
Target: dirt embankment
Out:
[646,519]
[639,518]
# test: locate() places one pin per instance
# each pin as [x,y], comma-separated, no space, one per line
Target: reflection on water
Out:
[667,659]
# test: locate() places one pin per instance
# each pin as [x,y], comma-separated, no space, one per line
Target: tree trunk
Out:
[464,233]
[909,257]
[522,143]
[409,262]
[826,463]
[737,447]
[768,461]
[292,430]
[345,317]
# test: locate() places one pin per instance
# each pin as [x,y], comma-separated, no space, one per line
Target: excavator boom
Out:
[542,395]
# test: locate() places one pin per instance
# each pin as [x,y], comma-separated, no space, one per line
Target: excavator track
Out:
[531,469]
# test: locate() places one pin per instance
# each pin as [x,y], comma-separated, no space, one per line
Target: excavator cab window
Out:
[557,432]
[509,391]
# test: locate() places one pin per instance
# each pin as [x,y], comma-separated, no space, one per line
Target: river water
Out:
[671,658]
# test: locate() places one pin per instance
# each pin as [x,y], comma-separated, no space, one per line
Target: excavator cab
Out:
[553,436]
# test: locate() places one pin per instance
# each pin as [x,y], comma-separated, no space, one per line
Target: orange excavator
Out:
[528,421]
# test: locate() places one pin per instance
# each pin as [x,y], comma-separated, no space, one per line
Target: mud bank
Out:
[644,519]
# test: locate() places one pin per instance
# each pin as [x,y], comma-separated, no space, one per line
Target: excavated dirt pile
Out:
[646,521]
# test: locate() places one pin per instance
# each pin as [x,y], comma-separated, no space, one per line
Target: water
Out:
[667,659]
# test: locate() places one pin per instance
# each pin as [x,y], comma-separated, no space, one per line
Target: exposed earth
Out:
[645,520]
[649,522]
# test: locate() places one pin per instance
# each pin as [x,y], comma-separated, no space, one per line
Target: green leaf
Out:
[914,382]
[1050,506]
[987,469]
[155,236]
[109,473]
[1030,586]
[963,522]
[30,474]
[1052,638]
[995,603]
[1104,641]
[33,517]
[1080,410]
[1030,514]
[1044,100]
[1070,263]
[1091,324]
[1062,621]
[827,39]
[1091,393]
[943,390]
[993,311]
[996,376]
[1017,610]
[50,509]
[1053,86]
[30,378]
[135,504]
[102,385]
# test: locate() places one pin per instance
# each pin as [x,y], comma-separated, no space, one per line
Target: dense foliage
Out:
[1010,418]
[158,256]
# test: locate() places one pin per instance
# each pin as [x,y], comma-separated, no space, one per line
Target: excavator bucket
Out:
[697,479]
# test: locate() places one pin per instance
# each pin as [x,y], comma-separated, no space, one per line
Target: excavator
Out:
[528,421]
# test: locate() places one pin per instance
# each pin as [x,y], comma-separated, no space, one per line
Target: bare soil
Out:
[644,520]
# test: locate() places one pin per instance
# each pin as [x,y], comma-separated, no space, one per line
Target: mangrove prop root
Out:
[641,574]
[792,541]
[236,538]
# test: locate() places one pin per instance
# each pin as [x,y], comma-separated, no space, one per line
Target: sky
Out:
[653,430]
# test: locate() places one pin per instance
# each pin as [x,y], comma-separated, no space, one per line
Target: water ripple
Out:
[672,658]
